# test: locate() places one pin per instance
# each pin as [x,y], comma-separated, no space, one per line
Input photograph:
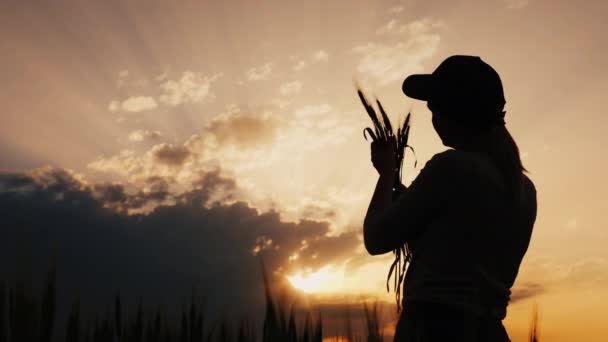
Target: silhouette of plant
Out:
[372,320]
[382,131]
[48,307]
[73,328]
[2,310]
[29,319]
[534,325]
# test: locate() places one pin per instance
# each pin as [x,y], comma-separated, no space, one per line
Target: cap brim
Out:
[418,86]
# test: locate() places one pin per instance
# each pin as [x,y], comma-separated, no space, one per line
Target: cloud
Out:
[396,9]
[587,272]
[125,80]
[177,161]
[300,65]
[139,103]
[320,125]
[122,78]
[310,111]
[162,76]
[249,143]
[525,291]
[243,130]
[259,73]
[171,154]
[319,210]
[144,134]
[517,4]
[165,160]
[584,273]
[414,28]
[280,103]
[114,106]
[231,135]
[402,52]
[123,163]
[155,190]
[290,88]
[133,104]
[188,240]
[192,87]
[319,56]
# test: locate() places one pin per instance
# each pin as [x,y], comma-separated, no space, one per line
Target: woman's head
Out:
[462,134]
[466,98]
[463,88]
[450,132]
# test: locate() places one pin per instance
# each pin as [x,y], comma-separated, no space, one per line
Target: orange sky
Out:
[264,89]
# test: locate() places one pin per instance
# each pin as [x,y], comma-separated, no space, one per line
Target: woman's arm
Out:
[374,238]
[383,159]
[390,222]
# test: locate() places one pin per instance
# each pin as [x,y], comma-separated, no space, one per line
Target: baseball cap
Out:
[462,87]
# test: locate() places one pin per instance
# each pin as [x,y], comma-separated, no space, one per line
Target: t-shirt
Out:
[467,236]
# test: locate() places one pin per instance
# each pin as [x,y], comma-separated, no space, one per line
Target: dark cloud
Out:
[174,155]
[319,212]
[157,188]
[114,196]
[110,193]
[196,241]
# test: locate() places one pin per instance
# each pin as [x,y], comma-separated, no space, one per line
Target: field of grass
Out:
[25,317]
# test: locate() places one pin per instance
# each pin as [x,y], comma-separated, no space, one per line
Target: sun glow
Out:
[325,280]
[334,279]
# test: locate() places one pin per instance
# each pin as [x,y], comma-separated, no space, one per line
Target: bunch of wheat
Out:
[383,130]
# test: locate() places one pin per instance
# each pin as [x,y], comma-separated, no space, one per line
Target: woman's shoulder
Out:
[529,183]
[450,167]
[452,155]
[472,167]
[456,160]
[529,189]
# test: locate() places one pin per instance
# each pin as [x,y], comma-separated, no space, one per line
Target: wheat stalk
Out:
[382,131]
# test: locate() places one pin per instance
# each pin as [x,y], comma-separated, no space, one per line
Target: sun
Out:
[326,280]
[314,282]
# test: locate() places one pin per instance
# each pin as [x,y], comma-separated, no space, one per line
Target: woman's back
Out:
[468,252]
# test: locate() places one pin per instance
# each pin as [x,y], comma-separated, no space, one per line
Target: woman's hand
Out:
[383,156]
[398,189]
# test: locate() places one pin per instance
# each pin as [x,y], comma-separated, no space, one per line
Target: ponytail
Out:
[503,150]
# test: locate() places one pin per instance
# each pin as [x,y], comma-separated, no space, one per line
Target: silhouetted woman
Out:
[467,217]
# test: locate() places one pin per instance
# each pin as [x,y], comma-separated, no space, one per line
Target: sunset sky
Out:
[215,131]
